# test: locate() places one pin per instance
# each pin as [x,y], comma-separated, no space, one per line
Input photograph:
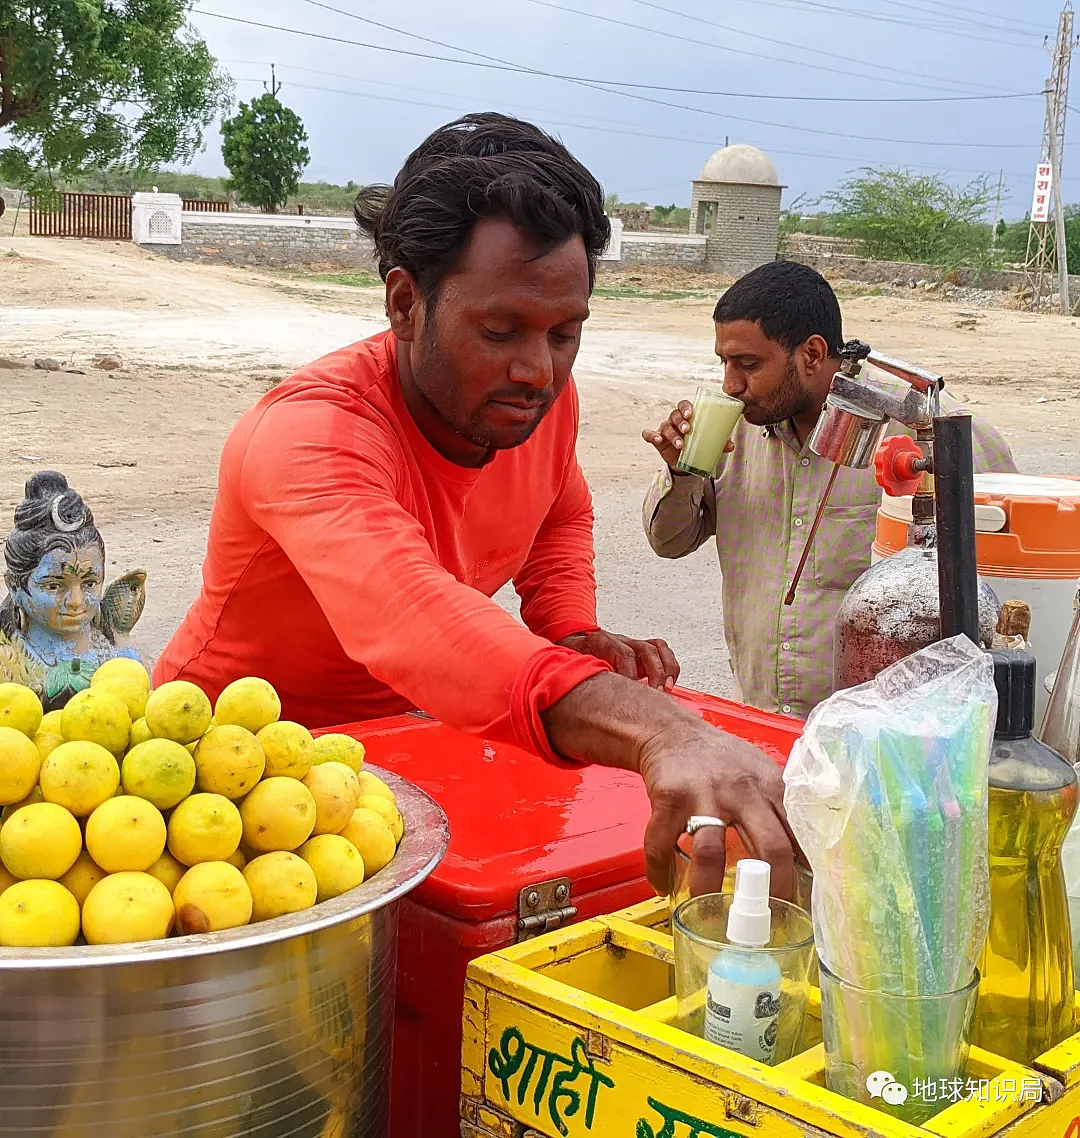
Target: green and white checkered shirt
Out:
[759,506]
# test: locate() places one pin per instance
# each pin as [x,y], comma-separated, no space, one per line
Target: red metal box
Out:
[529,842]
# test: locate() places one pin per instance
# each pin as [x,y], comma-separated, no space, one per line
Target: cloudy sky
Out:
[645,90]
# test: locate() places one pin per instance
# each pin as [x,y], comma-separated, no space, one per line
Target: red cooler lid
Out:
[516,820]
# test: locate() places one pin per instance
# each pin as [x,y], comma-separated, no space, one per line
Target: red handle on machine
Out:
[895,466]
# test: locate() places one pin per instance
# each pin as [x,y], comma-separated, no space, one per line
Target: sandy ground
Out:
[201,343]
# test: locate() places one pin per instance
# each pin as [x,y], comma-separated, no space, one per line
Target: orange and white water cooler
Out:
[1027,547]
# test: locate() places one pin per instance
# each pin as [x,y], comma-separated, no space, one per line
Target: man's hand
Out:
[650,660]
[708,772]
[668,437]
[688,767]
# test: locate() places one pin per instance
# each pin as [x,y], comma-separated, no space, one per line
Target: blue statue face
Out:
[63,594]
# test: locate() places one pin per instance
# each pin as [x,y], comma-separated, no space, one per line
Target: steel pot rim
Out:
[427,835]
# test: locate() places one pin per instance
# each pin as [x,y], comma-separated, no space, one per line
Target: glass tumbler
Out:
[714,417]
[900,1054]
[699,929]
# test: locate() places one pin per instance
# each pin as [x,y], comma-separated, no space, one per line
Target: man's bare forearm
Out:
[613,721]
[688,767]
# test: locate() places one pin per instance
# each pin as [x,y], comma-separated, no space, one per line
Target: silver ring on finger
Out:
[703,821]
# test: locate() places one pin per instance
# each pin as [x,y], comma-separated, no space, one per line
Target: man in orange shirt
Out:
[369,507]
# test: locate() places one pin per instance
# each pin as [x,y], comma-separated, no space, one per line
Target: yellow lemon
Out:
[50,721]
[131,695]
[20,709]
[7,880]
[280,883]
[20,764]
[79,776]
[397,828]
[204,827]
[140,733]
[336,863]
[47,742]
[125,833]
[372,837]
[210,897]
[335,797]
[383,807]
[386,810]
[160,771]
[336,748]
[127,907]
[347,771]
[82,877]
[289,749]
[97,716]
[250,703]
[168,871]
[179,711]
[239,859]
[229,760]
[192,747]
[372,784]
[35,795]
[125,670]
[279,814]
[41,840]
[38,914]
[131,686]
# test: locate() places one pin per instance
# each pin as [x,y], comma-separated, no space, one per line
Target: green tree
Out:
[1012,243]
[264,150]
[901,216]
[101,83]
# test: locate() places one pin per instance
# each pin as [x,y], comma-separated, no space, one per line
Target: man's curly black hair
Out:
[482,165]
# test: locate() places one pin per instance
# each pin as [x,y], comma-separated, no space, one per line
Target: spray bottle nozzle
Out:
[750,918]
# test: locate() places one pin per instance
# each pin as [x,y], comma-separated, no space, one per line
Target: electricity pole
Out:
[275,86]
[997,211]
[1046,253]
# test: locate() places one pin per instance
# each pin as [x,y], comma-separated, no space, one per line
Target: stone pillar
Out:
[156,219]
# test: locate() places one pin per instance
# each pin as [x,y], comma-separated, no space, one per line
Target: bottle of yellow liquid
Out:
[1026,993]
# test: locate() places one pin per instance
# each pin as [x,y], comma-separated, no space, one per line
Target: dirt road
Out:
[201,343]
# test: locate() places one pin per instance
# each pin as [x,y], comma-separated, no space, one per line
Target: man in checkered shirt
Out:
[778,332]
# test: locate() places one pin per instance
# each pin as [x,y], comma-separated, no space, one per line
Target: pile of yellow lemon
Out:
[134,813]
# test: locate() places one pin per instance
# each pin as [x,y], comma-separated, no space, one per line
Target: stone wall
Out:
[903,273]
[747,228]
[634,220]
[663,249]
[278,241]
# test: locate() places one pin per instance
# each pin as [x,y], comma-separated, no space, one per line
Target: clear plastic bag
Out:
[886,792]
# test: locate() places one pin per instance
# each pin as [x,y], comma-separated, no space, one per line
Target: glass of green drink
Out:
[714,417]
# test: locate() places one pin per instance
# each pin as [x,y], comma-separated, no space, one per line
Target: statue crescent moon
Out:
[61,525]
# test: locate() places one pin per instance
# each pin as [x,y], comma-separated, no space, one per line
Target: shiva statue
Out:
[58,622]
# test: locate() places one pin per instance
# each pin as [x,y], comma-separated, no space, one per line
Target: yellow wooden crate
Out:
[573,1034]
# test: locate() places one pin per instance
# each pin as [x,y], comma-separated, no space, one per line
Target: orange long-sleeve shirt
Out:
[352,565]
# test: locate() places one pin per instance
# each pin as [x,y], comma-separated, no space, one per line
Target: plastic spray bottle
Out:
[1026,991]
[742,1008]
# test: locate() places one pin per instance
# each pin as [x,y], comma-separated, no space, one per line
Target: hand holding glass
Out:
[711,424]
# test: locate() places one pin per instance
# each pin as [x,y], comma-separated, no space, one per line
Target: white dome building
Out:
[736,204]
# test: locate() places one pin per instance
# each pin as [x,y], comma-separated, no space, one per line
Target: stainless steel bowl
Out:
[277,1030]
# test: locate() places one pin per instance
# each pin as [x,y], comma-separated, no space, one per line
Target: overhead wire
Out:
[907,73]
[496,61]
[847,72]
[629,130]
[863,14]
[492,63]
[966,13]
